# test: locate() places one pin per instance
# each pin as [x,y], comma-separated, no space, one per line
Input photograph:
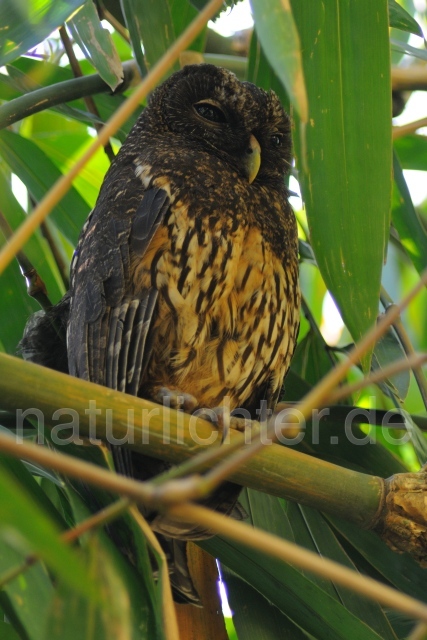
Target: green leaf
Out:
[311,360]
[182,13]
[255,617]
[26,527]
[387,350]
[38,173]
[278,34]
[107,619]
[96,43]
[400,19]
[26,23]
[405,218]
[344,153]
[149,22]
[261,73]
[412,152]
[328,546]
[140,590]
[299,597]
[400,570]
[7,632]
[25,599]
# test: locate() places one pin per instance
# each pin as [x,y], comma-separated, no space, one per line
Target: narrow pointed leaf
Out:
[96,43]
[344,153]
[22,523]
[401,19]
[405,218]
[25,24]
[278,34]
[149,22]
[38,173]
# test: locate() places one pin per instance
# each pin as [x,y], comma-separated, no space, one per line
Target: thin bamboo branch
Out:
[302,558]
[120,116]
[412,78]
[63,267]
[170,622]
[406,129]
[88,100]
[413,360]
[407,346]
[59,93]
[36,288]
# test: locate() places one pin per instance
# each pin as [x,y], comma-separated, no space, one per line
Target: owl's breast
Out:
[227,314]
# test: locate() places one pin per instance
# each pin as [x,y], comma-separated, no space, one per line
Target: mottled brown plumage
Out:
[186,273]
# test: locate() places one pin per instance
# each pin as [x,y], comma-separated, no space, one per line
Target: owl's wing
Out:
[110,322]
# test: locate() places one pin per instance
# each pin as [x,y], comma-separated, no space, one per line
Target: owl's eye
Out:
[210,112]
[276,140]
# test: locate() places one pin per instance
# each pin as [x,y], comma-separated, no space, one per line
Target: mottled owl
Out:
[184,283]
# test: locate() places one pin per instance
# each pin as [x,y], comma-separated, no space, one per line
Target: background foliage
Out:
[361,238]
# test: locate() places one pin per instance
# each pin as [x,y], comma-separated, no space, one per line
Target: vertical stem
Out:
[89,101]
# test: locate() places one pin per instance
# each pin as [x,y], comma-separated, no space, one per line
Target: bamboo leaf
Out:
[255,617]
[38,173]
[261,73]
[400,570]
[144,615]
[106,621]
[405,218]
[400,19]
[299,597]
[25,600]
[403,47]
[278,34]
[25,24]
[150,23]
[412,152]
[96,43]
[26,527]
[327,545]
[344,153]
[7,632]
[387,350]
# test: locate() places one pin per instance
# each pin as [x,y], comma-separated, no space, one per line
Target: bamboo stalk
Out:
[174,436]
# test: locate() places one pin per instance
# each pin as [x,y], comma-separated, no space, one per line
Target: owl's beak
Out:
[253,158]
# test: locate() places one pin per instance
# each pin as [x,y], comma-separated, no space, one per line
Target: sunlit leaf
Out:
[96,43]
[26,23]
[279,38]
[150,23]
[344,153]
[401,19]
[38,173]
[407,222]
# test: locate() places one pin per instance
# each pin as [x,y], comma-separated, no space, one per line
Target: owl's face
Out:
[208,108]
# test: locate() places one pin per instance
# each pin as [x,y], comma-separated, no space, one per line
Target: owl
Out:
[184,284]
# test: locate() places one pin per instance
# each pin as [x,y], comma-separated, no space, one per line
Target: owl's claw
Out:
[176,399]
[222,419]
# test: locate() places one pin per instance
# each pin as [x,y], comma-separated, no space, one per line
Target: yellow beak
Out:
[253,158]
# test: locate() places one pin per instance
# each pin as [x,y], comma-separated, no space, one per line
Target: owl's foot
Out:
[222,419]
[175,399]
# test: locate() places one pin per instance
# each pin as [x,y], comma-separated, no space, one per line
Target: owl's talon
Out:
[222,419]
[176,399]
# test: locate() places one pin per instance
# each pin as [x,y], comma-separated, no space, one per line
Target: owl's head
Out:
[206,107]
